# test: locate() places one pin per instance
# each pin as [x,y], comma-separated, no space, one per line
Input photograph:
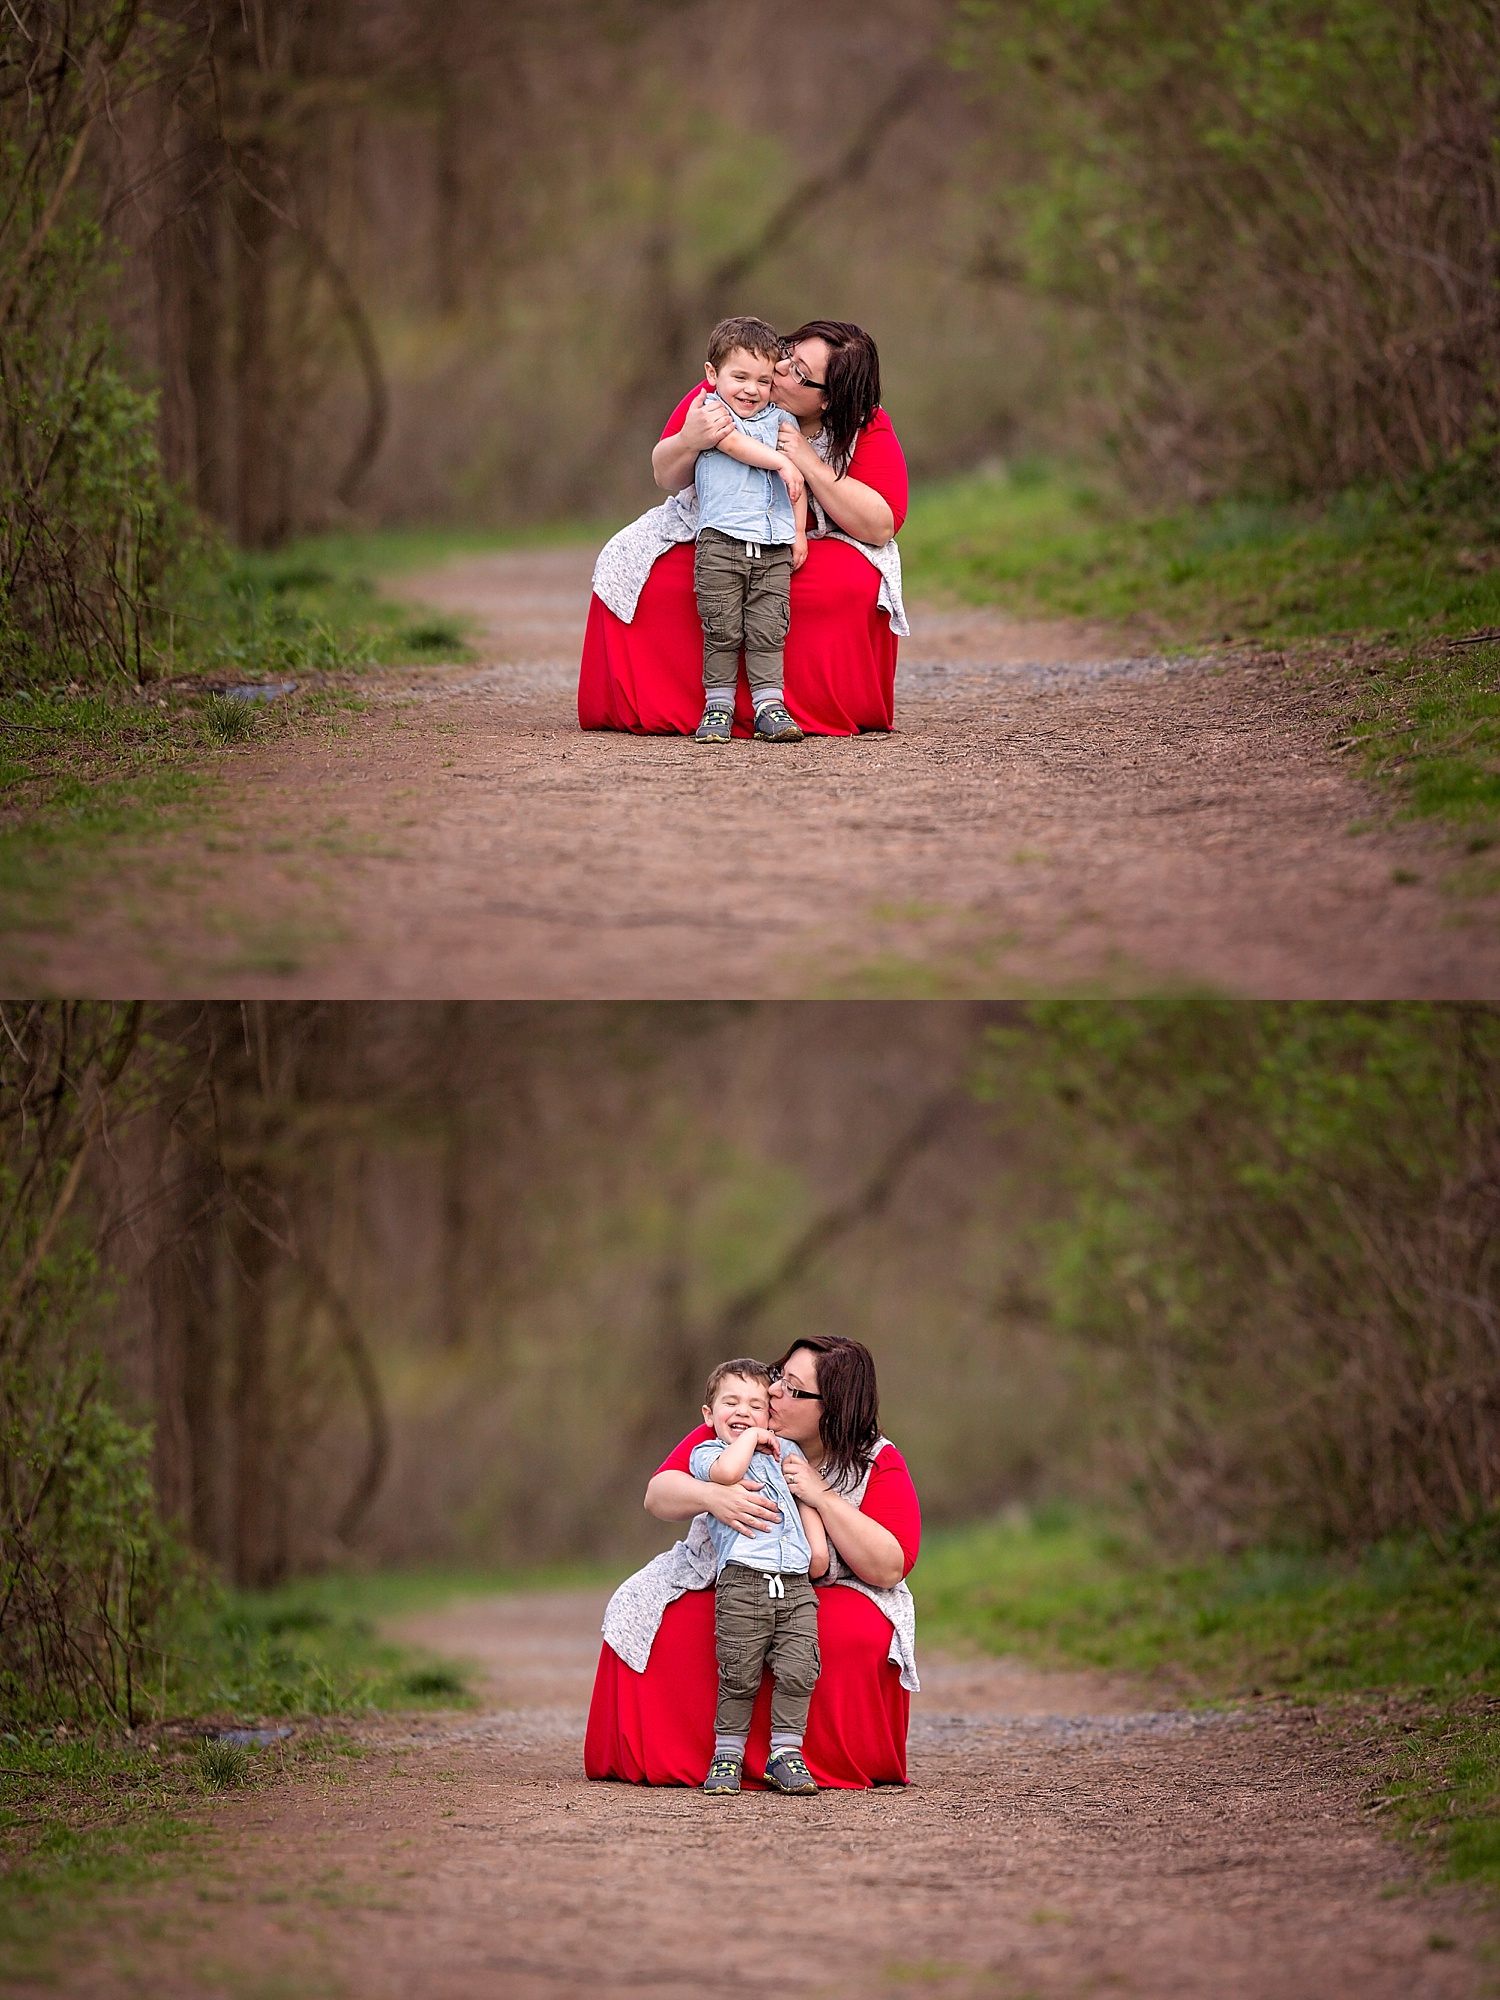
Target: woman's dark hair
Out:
[851,389]
[850,1423]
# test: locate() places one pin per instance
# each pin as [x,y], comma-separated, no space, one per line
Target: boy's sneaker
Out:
[717,726]
[723,1775]
[773,724]
[787,1772]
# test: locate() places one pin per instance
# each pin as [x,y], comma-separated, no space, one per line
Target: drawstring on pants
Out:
[775,1587]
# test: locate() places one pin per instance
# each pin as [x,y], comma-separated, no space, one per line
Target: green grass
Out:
[81,1817]
[1040,543]
[365,1595]
[309,1650]
[1408,1632]
[1427,723]
[313,1647]
[81,776]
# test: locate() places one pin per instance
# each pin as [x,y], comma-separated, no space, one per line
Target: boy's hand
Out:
[768,1441]
[799,552]
[795,484]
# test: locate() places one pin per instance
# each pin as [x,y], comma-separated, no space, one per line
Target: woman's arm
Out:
[851,505]
[678,1496]
[817,1541]
[872,1552]
[703,428]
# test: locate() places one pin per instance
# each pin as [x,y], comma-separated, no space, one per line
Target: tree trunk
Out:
[256,511]
[254,1555]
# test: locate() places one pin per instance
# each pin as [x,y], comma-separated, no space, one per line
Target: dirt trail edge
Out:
[1057,1838]
[1054,812]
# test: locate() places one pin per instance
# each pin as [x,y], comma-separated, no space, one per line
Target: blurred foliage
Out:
[90,537]
[1280,1250]
[88,1575]
[1276,218]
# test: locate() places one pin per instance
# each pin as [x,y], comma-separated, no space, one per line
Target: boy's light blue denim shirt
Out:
[741,500]
[784,1547]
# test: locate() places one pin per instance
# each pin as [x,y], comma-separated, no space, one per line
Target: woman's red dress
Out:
[657,1728]
[840,656]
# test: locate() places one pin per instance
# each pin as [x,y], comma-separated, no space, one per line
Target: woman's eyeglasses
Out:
[779,1381]
[795,368]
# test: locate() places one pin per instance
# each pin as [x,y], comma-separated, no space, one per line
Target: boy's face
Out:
[743,380]
[739,1405]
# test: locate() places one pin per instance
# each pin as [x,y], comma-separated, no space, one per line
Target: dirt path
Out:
[1058,1838]
[1048,815]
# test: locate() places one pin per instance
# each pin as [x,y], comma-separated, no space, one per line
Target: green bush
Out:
[92,543]
[90,1580]
[1278,1254]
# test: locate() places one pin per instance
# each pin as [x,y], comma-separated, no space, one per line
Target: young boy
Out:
[752,533]
[765,1607]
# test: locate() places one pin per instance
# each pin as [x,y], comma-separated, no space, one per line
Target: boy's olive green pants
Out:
[752,1628]
[743,600]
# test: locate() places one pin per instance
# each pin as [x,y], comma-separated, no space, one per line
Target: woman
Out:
[643,650]
[653,1723]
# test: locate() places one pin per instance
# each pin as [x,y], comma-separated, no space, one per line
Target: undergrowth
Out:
[1408,1627]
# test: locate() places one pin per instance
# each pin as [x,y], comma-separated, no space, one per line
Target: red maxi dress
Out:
[657,1728]
[840,651]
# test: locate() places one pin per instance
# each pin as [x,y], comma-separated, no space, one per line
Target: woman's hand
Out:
[806,1484]
[864,1546]
[790,440]
[744,1508]
[673,458]
[705,424]
[851,505]
[678,1496]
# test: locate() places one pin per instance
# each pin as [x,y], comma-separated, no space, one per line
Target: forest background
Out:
[302,1287]
[1185,1314]
[290,1291]
[278,267]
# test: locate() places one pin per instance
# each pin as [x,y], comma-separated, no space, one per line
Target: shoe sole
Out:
[800,737]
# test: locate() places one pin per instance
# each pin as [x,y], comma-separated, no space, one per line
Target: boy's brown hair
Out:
[746,1369]
[748,332]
